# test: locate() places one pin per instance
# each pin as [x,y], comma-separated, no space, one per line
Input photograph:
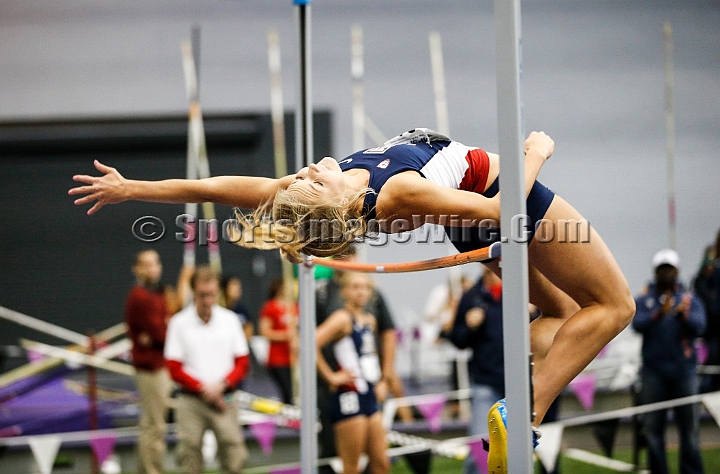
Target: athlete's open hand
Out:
[540,143]
[106,189]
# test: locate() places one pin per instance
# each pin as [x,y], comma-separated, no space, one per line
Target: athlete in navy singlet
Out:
[446,163]
[352,406]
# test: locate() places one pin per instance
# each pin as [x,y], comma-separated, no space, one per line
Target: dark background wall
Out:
[62,266]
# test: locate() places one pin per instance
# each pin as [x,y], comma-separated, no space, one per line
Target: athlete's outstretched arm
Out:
[111,188]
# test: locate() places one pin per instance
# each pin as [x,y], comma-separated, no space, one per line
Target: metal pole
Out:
[308,374]
[277,113]
[195,41]
[357,70]
[304,154]
[303,119]
[197,147]
[93,401]
[438,73]
[516,340]
[670,131]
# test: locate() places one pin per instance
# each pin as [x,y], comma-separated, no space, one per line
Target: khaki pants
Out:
[193,417]
[154,388]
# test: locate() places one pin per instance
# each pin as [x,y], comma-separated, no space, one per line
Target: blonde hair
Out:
[321,229]
[348,276]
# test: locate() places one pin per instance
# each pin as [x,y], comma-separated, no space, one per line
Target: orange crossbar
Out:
[478,255]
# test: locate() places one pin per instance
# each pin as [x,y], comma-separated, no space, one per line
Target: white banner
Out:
[712,403]
[45,449]
[549,446]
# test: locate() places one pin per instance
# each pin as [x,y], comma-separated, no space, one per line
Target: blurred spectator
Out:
[207,355]
[440,309]
[478,325]
[329,299]
[351,405]
[278,323]
[147,310]
[707,288]
[232,290]
[669,318]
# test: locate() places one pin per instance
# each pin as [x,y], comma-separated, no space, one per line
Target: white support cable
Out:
[72,357]
[37,367]
[598,460]
[632,411]
[43,326]
[413,400]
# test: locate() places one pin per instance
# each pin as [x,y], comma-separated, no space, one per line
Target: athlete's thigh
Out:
[376,440]
[550,299]
[350,437]
[578,263]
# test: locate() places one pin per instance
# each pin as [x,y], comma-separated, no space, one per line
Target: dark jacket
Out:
[668,339]
[486,341]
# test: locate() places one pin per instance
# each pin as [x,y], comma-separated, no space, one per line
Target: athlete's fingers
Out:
[103,168]
[81,190]
[95,208]
[84,178]
[86,199]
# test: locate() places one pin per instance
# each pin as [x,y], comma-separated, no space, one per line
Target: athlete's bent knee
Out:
[625,310]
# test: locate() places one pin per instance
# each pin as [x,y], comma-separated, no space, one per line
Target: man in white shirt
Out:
[207,355]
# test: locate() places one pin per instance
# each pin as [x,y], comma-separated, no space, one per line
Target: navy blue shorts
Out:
[343,405]
[466,239]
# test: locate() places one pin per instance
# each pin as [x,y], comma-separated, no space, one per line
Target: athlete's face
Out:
[358,289]
[323,179]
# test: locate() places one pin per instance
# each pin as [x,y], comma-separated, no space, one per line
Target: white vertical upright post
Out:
[516,340]
[438,75]
[670,131]
[304,155]
[192,88]
[360,121]
[277,114]
[357,70]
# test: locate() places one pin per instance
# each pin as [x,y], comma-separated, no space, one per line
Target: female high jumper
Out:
[417,177]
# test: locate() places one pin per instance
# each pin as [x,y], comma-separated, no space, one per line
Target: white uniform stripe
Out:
[447,168]
[348,360]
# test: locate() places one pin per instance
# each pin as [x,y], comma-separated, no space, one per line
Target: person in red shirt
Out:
[278,323]
[146,314]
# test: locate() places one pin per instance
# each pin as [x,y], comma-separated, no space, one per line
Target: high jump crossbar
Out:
[479,255]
